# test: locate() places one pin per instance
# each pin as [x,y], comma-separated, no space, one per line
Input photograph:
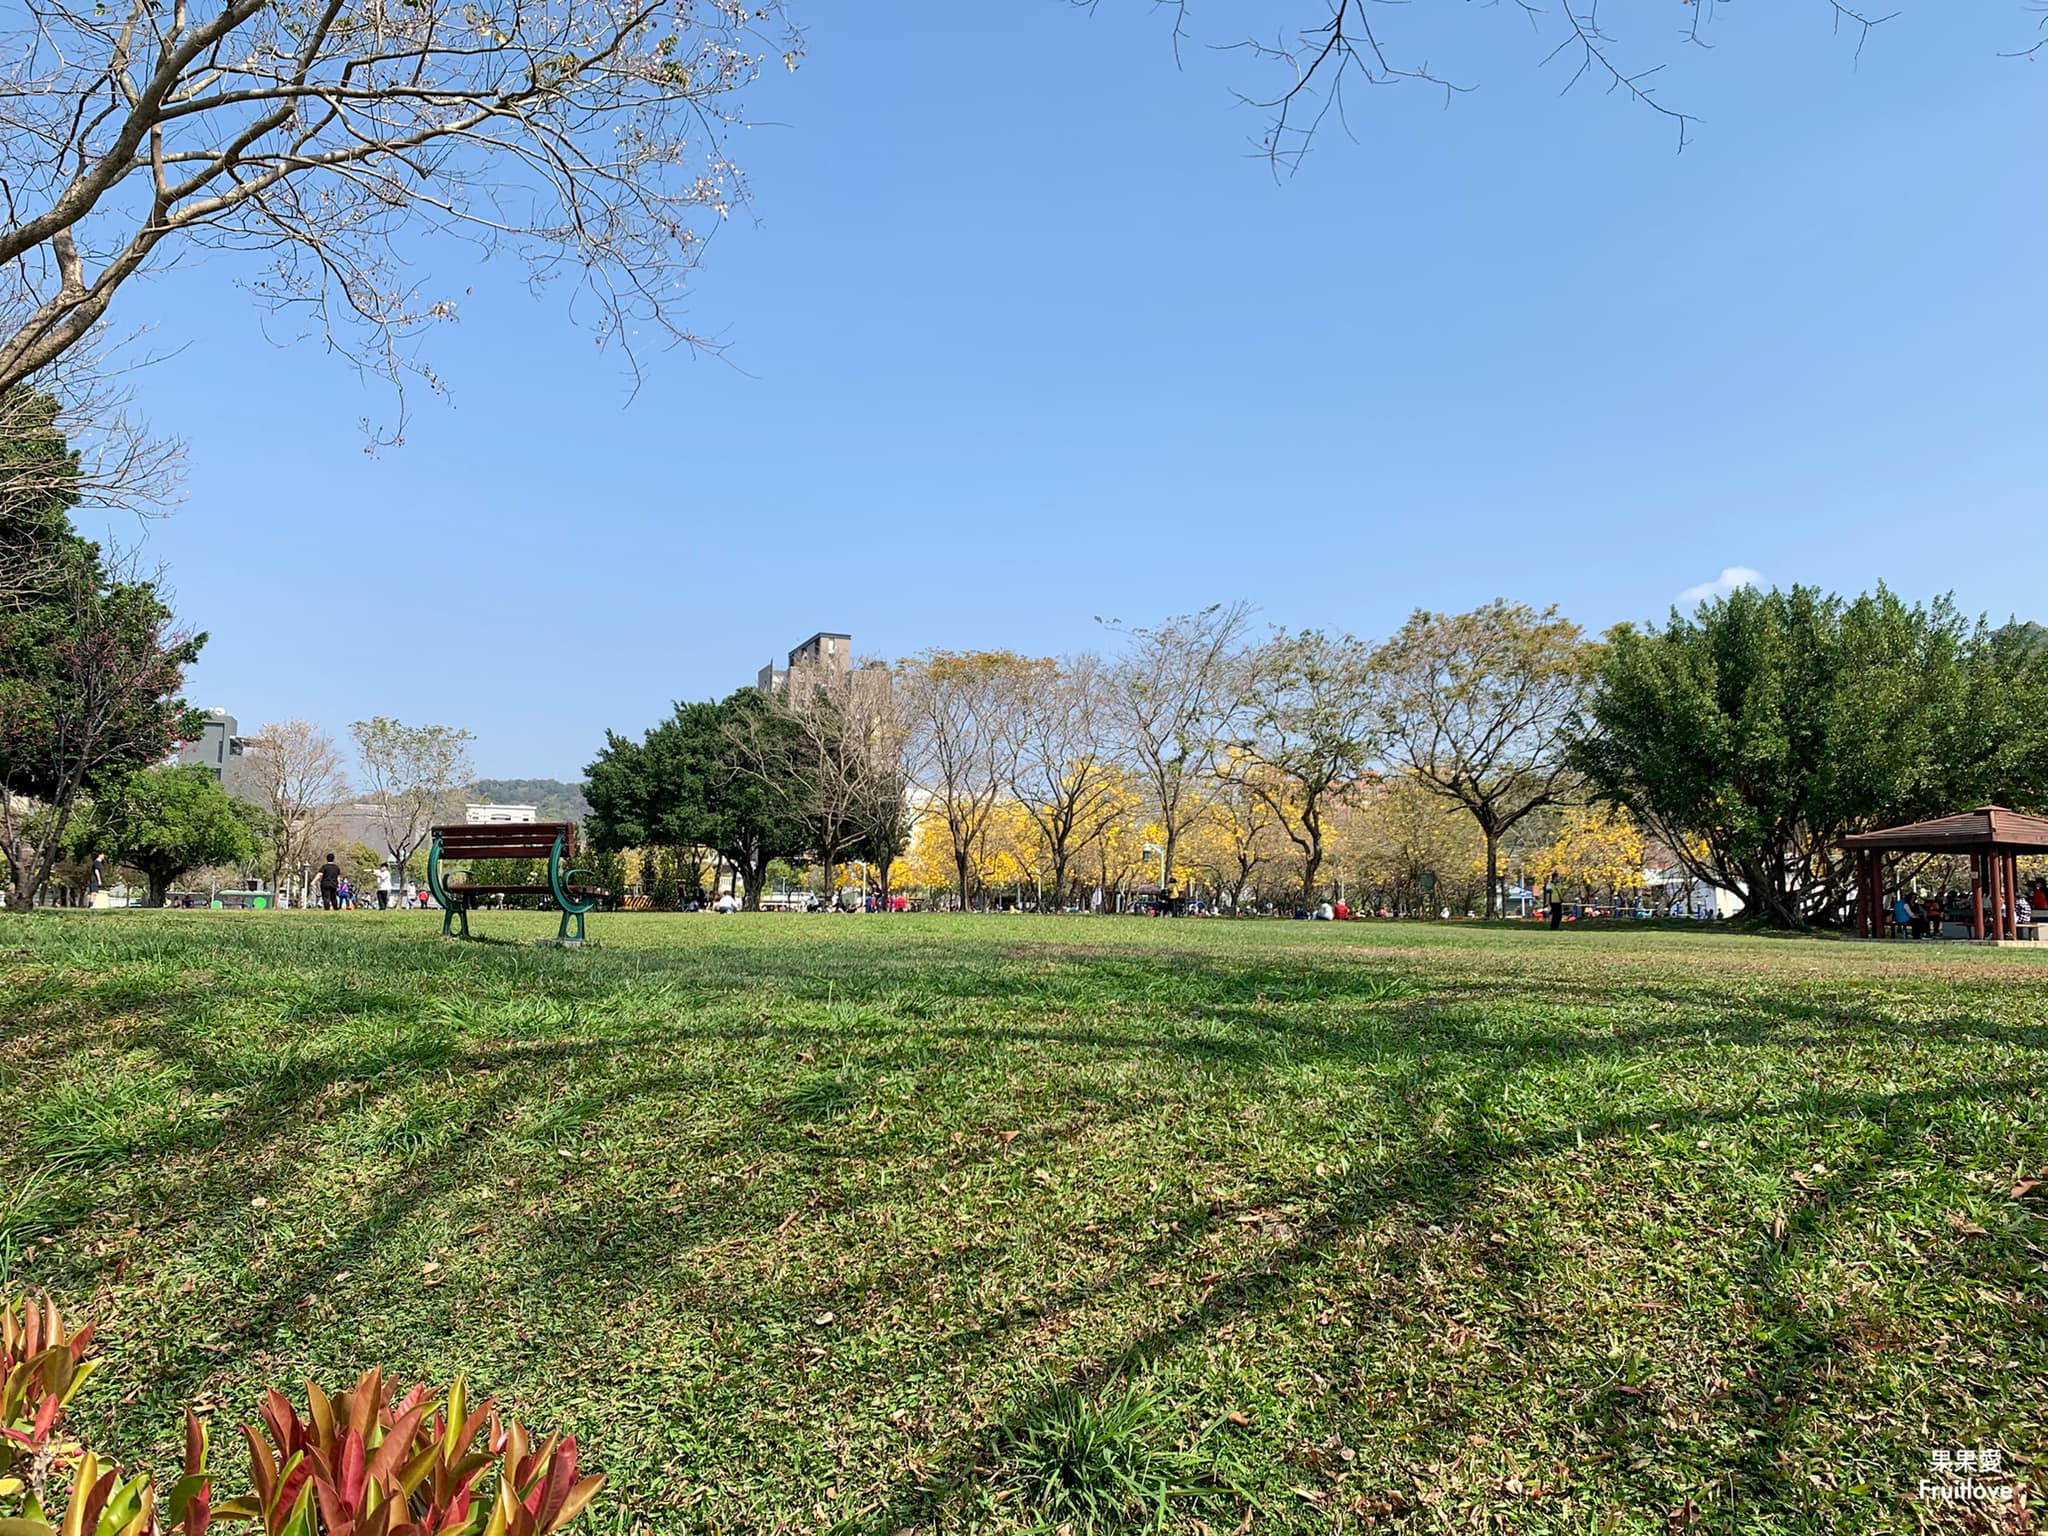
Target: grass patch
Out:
[825,1224]
[1103,1461]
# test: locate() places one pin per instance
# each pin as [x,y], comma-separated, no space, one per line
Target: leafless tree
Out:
[1338,44]
[821,743]
[325,140]
[72,439]
[962,711]
[414,774]
[1310,720]
[294,770]
[1172,697]
[882,807]
[1066,773]
[1478,706]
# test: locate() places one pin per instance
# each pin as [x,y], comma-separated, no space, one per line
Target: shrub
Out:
[368,1461]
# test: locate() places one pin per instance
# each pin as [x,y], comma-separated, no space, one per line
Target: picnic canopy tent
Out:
[1991,835]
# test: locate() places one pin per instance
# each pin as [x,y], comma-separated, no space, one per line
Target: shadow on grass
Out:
[324,1035]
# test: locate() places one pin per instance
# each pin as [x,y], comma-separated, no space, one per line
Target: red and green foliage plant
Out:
[367,1461]
[42,1366]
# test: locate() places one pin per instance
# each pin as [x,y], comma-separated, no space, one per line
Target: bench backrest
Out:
[506,839]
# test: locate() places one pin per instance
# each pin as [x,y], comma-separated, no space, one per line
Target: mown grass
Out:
[944,1224]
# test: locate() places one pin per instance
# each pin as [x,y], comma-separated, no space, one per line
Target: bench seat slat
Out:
[457,889]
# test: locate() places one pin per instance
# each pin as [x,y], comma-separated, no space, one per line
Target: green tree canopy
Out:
[91,666]
[1753,735]
[167,821]
[683,783]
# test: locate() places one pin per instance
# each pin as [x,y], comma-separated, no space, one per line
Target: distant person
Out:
[2038,895]
[384,887]
[1326,913]
[1553,898]
[1916,917]
[346,891]
[1935,916]
[330,885]
[726,903]
[1340,911]
[1902,915]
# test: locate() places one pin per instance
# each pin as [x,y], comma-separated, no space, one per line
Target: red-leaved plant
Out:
[42,1366]
[364,1462]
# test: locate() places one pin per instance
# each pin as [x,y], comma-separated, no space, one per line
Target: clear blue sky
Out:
[1021,333]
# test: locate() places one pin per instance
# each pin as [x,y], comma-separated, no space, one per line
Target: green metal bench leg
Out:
[450,916]
[563,936]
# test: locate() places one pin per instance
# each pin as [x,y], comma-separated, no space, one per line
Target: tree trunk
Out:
[831,868]
[885,864]
[1310,863]
[960,869]
[1492,872]
[159,890]
[754,876]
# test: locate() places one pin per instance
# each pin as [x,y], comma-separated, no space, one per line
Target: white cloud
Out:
[1731,578]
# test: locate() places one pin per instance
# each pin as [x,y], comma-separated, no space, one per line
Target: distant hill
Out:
[556,801]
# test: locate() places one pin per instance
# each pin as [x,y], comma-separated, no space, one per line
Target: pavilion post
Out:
[1997,862]
[1977,895]
[2012,890]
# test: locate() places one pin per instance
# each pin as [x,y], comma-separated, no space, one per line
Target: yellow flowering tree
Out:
[1599,850]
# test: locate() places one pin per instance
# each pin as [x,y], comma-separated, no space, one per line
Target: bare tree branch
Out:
[581,138]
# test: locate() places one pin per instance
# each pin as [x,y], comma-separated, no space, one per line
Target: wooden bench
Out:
[554,841]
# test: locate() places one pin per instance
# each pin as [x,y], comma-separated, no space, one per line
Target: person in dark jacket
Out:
[330,885]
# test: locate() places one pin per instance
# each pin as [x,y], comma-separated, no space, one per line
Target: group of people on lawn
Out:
[1925,920]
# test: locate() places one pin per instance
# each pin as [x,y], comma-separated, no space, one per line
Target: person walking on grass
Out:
[1553,898]
[330,885]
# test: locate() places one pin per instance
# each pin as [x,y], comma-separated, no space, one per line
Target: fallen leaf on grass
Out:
[1006,1137]
[1962,1224]
[2025,1187]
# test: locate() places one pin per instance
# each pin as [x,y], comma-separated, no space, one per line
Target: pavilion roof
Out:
[1989,826]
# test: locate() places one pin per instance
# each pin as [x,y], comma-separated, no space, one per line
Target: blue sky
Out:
[1021,332]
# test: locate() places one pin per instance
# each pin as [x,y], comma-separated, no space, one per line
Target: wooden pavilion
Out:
[1993,838]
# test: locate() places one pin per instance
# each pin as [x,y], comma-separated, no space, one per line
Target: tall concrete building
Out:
[219,749]
[823,657]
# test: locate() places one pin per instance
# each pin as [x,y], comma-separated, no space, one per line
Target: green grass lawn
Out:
[978,1224]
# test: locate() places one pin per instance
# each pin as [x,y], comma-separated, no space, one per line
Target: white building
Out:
[490,815]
